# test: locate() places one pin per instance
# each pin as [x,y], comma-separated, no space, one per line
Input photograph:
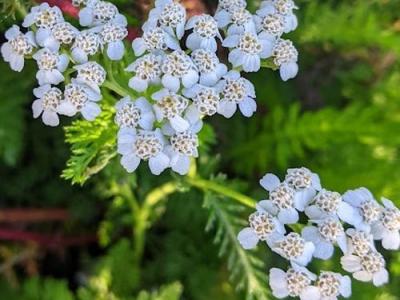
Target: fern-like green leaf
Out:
[246,268]
[171,291]
[93,145]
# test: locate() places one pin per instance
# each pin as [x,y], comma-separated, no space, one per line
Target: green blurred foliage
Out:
[340,117]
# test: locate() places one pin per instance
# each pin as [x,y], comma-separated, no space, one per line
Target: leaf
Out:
[93,145]
[245,267]
[171,291]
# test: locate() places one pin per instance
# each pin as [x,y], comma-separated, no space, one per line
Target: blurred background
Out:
[108,239]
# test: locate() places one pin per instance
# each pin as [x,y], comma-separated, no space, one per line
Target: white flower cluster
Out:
[351,222]
[53,43]
[177,88]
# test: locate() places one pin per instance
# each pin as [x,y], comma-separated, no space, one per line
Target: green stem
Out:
[116,88]
[207,185]
[20,8]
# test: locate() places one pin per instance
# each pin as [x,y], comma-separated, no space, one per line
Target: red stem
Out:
[33,215]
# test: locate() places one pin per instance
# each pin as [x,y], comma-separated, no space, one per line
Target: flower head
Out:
[285,57]
[294,248]
[169,15]
[209,66]
[92,74]
[154,40]
[112,35]
[236,91]
[85,44]
[178,68]
[330,285]
[80,98]
[367,267]
[205,100]
[205,31]
[147,71]
[142,145]
[62,33]
[47,104]
[359,242]
[131,114]
[100,12]
[51,66]
[295,282]
[43,16]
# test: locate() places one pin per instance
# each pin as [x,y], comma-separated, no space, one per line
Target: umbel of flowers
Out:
[351,222]
[177,77]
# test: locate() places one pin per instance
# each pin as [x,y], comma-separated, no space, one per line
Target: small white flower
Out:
[295,282]
[327,233]
[283,8]
[285,57]
[359,242]
[100,12]
[263,227]
[91,74]
[329,286]
[368,209]
[171,106]
[144,145]
[168,14]
[43,16]
[51,66]
[368,267]
[209,66]
[205,100]
[272,24]
[147,71]
[205,32]
[178,68]
[282,201]
[305,183]
[130,113]
[112,34]
[183,146]
[387,228]
[62,33]
[47,104]
[225,9]
[80,98]
[328,204]
[236,91]
[18,45]
[154,40]
[249,49]
[85,44]
[294,248]
[241,21]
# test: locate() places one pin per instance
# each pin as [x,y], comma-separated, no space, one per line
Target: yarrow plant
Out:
[176,79]
[352,222]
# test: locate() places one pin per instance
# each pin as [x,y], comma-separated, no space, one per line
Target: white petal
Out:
[181,165]
[310,233]
[248,238]
[251,63]
[288,70]
[380,278]
[50,118]
[63,62]
[270,182]
[193,41]
[310,293]
[6,51]
[314,212]
[190,79]
[139,46]
[12,32]
[267,206]
[307,255]
[79,55]
[288,216]
[342,242]
[171,82]
[90,111]
[158,163]
[37,108]
[388,203]
[227,108]
[248,106]
[67,108]
[278,283]
[179,124]
[345,286]
[223,18]
[231,41]
[17,62]
[86,16]
[323,250]
[130,162]
[42,35]
[115,50]
[236,57]
[147,121]
[316,182]
[348,214]
[302,198]
[138,84]
[351,263]
[362,276]
[391,240]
